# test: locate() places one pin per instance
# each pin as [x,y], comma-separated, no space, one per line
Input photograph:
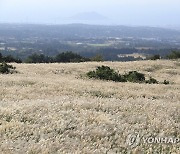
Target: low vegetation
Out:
[134,76]
[174,55]
[166,82]
[106,73]
[154,81]
[5,68]
[98,58]
[38,58]
[155,57]
[9,59]
[64,57]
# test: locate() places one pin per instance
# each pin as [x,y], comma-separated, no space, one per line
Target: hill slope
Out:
[54,108]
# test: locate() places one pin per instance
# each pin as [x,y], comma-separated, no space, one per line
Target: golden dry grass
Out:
[54,108]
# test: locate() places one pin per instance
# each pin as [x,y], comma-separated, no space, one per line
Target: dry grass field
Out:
[55,108]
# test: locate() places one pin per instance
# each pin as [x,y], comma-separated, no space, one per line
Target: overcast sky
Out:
[123,12]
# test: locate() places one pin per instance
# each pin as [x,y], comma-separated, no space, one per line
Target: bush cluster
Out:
[64,57]
[174,55]
[106,73]
[9,59]
[134,76]
[155,57]
[5,68]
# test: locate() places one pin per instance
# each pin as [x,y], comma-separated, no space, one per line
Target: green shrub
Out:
[166,82]
[134,76]
[5,68]
[152,81]
[105,73]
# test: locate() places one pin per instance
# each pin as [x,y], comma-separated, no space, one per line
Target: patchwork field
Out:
[55,108]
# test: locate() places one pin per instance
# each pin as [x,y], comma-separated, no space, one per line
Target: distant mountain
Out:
[88,16]
[86,31]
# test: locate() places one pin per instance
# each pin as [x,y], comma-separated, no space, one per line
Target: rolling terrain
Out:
[55,108]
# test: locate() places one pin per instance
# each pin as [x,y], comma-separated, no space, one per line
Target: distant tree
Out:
[35,58]
[1,57]
[174,55]
[69,57]
[9,59]
[64,57]
[97,58]
[155,57]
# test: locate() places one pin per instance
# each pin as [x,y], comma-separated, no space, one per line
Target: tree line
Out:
[64,57]
[69,56]
[9,59]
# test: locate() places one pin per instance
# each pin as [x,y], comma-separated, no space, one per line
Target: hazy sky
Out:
[123,12]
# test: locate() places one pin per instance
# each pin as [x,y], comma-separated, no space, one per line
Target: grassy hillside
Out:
[55,108]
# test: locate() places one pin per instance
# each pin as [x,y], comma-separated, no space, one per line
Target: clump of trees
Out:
[171,55]
[9,59]
[64,57]
[70,57]
[106,73]
[36,58]
[6,69]
[155,57]
[174,55]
